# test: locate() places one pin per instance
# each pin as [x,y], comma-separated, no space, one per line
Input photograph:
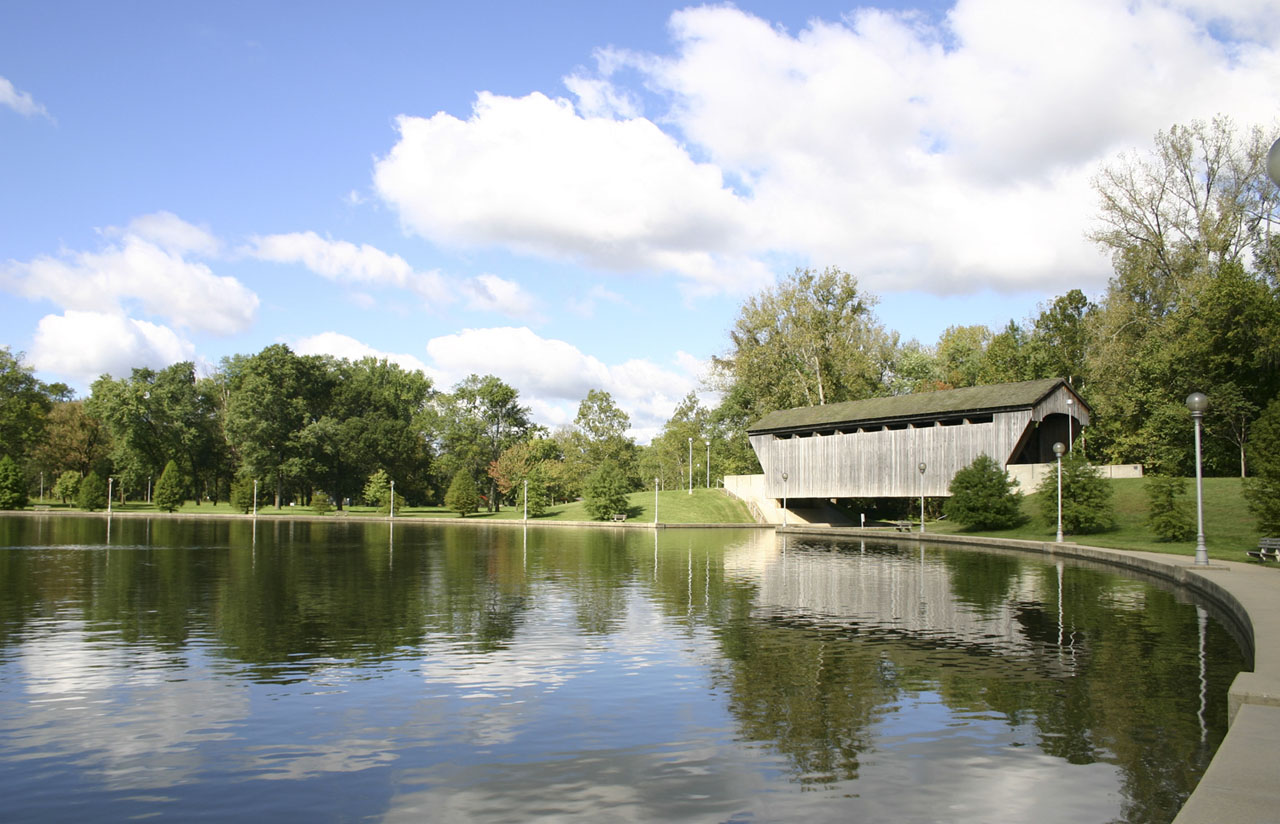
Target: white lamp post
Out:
[691,466]
[255,497]
[1071,440]
[393,499]
[708,464]
[784,499]
[1198,403]
[526,499]
[655,504]
[110,483]
[922,468]
[1058,449]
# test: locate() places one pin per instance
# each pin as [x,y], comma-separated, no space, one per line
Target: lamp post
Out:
[708,464]
[1198,403]
[526,499]
[655,504]
[691,466]
[1071,440]
[784,499]
[393,499]
[922,468]
[110,483]
[1058,449]
[255,497]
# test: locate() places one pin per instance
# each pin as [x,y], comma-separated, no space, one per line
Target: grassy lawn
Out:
[704,506]
[1229,528]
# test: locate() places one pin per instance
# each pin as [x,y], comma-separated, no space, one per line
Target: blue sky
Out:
[570,195]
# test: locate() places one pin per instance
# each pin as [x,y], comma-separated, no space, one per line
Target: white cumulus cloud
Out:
[345,262]
[345,346]
[81,345]
[20,102]
[533,175]
[950,154]
[147,270]
[553,376]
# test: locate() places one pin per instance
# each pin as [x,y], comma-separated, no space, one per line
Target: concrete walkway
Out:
[1240,785]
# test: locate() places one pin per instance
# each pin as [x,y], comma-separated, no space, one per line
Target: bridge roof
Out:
[921,406]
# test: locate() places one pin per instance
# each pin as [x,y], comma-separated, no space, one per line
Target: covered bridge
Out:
[873,448]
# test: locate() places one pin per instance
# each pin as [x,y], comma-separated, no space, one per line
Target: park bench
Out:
[902,526]
[1268,550]
[41,508]
[617,516]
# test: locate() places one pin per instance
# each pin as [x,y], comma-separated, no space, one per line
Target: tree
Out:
[1086,497]
[462,496]
[271,397]
[67,487]
[1200,200]
[1262,491]
[1167,514]
[811,340]
[600,435]
[73,440]
[93,493]
[983,496]
[1059,343]
[13,485]
[241,495]
[960,354]
[170,489]
[605,492]
[154,417]
[1184,310]
[321,503]
[475,424]
[24,404]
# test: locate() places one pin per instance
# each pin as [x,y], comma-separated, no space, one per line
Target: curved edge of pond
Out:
[1239,786]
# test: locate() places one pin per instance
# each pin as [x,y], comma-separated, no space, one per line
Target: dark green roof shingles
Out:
[908,407]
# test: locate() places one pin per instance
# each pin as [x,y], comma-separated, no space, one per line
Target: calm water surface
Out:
[208,670]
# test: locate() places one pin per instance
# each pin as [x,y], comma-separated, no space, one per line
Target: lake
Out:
[214,670]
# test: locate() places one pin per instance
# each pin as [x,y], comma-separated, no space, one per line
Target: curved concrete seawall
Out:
[1240,786]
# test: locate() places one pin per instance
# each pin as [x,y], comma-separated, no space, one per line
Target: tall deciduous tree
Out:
[271,396]
[475,423]
[812,339]
[1192,305]
[24,404]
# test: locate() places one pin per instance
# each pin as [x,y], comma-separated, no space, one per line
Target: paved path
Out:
[1241,785]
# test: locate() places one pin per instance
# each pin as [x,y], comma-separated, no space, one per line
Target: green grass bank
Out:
[1230,529]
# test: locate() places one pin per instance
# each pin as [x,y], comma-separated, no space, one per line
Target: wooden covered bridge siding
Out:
[880,458]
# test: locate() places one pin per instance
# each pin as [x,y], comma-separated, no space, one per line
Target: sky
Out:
[568,195]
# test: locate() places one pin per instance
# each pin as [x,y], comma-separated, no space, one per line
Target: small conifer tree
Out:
[1086,497]
[462,497]
[321,504]
[242,495]
[168,494]
[1167,514]
[93,493]
[983,497]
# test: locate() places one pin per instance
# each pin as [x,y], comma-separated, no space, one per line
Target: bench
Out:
[617,516]
[902,526]
[40,508]
[1268,550]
